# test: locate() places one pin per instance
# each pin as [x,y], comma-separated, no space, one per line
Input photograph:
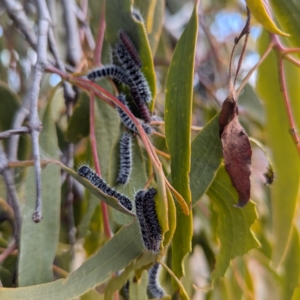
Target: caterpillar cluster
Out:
[129,74]
[146,214]
[154,289]
[97,181]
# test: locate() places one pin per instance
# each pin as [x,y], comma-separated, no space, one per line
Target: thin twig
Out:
[34,123]
[245,80]
[246,32]
[9,250]
[158,134]
[100,37]
[163,154]
[292,60]
[17,14]
[74,49]
[12,192]
[8,133]
[291,121]
[60,271]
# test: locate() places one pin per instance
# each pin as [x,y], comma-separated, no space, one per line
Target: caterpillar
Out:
[97,181]
[146,214]
[138,80]
[153,288]
[128,123]
[140,104]
[125,158]
[130,48]
[114,72]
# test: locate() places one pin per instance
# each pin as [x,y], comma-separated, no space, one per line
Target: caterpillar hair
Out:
[125,158]
[137,15]
[128,123]
[146,214]
[111,71]
[137,78]
[154,289]
[130,48]
[97,181]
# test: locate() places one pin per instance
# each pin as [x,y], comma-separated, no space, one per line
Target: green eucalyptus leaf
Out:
[285,188]
[79,124]
[119,17]
[153,14]
[178,113]
[125,246]
[206,158]
[233,223]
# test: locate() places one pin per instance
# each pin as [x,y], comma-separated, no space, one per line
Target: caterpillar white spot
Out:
[111,71]
[125,158]
[138,80]
[130,47]
[128,123]
[146,214]
[137,15]
[154,288]
[98,182]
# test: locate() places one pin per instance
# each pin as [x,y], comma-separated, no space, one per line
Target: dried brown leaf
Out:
[236,150]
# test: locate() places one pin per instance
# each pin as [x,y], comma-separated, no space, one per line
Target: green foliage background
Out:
[218,251]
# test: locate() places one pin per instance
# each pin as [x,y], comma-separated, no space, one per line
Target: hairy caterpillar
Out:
[125,158]
[114,72]
[153,288]
[97,181]
[146,214]
[128,123]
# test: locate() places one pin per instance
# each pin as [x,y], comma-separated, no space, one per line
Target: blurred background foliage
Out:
[251,253]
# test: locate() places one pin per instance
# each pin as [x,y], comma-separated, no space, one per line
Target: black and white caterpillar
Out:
[146,214]
[111,71]
[128,123]
[125,158]
[98,182]
[127,59]
[154,289]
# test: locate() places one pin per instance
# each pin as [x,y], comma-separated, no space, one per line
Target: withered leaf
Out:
[236,150]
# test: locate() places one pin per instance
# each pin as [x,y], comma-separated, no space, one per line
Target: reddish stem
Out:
[100,37]
[8,251]
[104,210]
[287,104]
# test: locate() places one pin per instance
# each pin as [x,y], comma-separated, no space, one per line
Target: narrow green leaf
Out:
[107,128]
[178,111]
[116,254]
[91,295]
[79,125]
[138,290]
[153,13]
[234,224]
[116,283]
[284,190]
[206,158]
[9,103]
[287,14]
[291,264]
[111,201]
[119,17]
[38,242]
[83,226]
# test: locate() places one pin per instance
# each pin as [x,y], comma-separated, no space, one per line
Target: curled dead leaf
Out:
[236,150]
